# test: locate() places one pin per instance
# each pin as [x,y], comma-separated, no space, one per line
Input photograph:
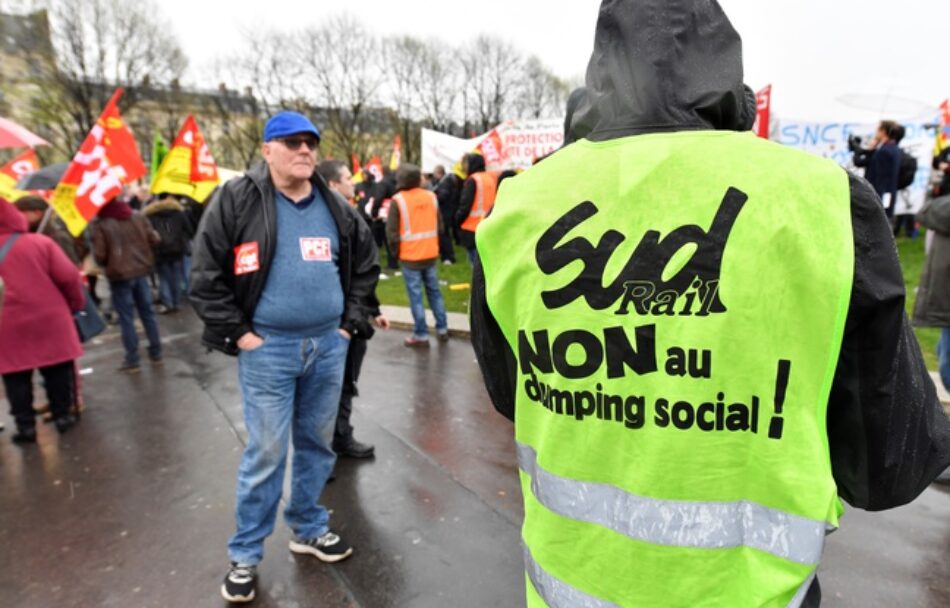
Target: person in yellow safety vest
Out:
[412,230]
[476,200]
[699,334]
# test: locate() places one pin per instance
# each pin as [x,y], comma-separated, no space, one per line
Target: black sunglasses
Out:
[294,143]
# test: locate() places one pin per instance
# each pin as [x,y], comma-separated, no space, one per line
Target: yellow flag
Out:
[188,169]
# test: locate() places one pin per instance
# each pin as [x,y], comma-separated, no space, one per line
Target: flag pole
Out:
[47,216]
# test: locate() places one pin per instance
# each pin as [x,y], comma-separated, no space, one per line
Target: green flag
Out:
[159,151]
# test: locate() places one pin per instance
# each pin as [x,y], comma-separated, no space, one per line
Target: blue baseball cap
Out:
[283,124]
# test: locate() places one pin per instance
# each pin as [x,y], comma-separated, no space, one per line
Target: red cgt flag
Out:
[14,171]
[395,159]
[943,132]
[375,167]
[203,167]
[763,106]
[107,160]
[491,148]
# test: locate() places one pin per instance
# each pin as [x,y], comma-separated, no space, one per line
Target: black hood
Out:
[664,65]
[474,163]
[574,130]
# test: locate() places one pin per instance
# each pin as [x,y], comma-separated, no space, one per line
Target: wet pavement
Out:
[134,507]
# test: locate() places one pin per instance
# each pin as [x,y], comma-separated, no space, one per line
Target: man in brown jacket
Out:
[122,241]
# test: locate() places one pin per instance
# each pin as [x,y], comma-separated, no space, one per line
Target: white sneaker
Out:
[327,548]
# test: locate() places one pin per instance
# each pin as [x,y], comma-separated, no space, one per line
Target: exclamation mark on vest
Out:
[776,426]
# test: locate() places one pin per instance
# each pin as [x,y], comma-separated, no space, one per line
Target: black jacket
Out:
[170,220]
[882,168]
[889,436]
[475,163]
[243,211]
[448,192]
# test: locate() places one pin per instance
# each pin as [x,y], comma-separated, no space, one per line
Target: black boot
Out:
[25,435]
[64,423]
[351,448]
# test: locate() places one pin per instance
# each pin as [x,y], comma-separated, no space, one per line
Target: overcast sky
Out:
[814,52]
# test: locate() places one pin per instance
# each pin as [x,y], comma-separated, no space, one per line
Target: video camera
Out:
[854,143]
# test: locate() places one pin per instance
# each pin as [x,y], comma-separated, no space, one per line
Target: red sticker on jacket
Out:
[316,249]
[246,258]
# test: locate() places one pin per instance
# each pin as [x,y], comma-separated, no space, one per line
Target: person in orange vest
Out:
[412,230]
[477,199]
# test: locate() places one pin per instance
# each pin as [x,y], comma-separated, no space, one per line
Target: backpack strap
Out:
[7,245]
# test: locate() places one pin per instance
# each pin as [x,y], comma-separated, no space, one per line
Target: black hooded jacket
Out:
[674,65]
[243,211]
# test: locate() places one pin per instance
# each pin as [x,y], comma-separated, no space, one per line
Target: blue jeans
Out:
[414,283]
[127,297]
[943,357]
[171,275]
[290,388]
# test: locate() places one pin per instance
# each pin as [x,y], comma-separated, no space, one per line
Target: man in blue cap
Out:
[282,271]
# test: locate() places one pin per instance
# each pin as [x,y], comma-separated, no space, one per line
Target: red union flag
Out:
[188,168]
[491,148]
[396,157]
[13,171]
[106,161]
[375,167]
[763,106]
[943,132]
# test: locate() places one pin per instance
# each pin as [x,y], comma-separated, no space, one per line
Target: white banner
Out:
[830,140]
[523,141]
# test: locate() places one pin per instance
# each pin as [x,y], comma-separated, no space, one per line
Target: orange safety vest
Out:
[486,185]
[418,225]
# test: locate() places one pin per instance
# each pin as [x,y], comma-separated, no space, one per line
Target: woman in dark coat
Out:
[37,330]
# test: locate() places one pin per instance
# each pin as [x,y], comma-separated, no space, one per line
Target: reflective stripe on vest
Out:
[486,185]
[418,225]
[558,594]
[705,525]
[555,592]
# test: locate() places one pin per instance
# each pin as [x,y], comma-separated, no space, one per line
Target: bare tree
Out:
[240,124]
[98,45]
[403,63]
[256,81]
[441,79]
[339,63]
[264,69]
[492,71]
[541,93]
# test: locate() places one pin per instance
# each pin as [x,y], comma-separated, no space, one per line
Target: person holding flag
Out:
[122,244]
[107,161]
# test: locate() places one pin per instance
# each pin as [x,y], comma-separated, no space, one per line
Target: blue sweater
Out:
[303,296]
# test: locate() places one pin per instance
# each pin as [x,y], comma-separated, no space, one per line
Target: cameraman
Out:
[882,163]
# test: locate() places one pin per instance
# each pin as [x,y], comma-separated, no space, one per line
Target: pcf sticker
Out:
[316,249]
